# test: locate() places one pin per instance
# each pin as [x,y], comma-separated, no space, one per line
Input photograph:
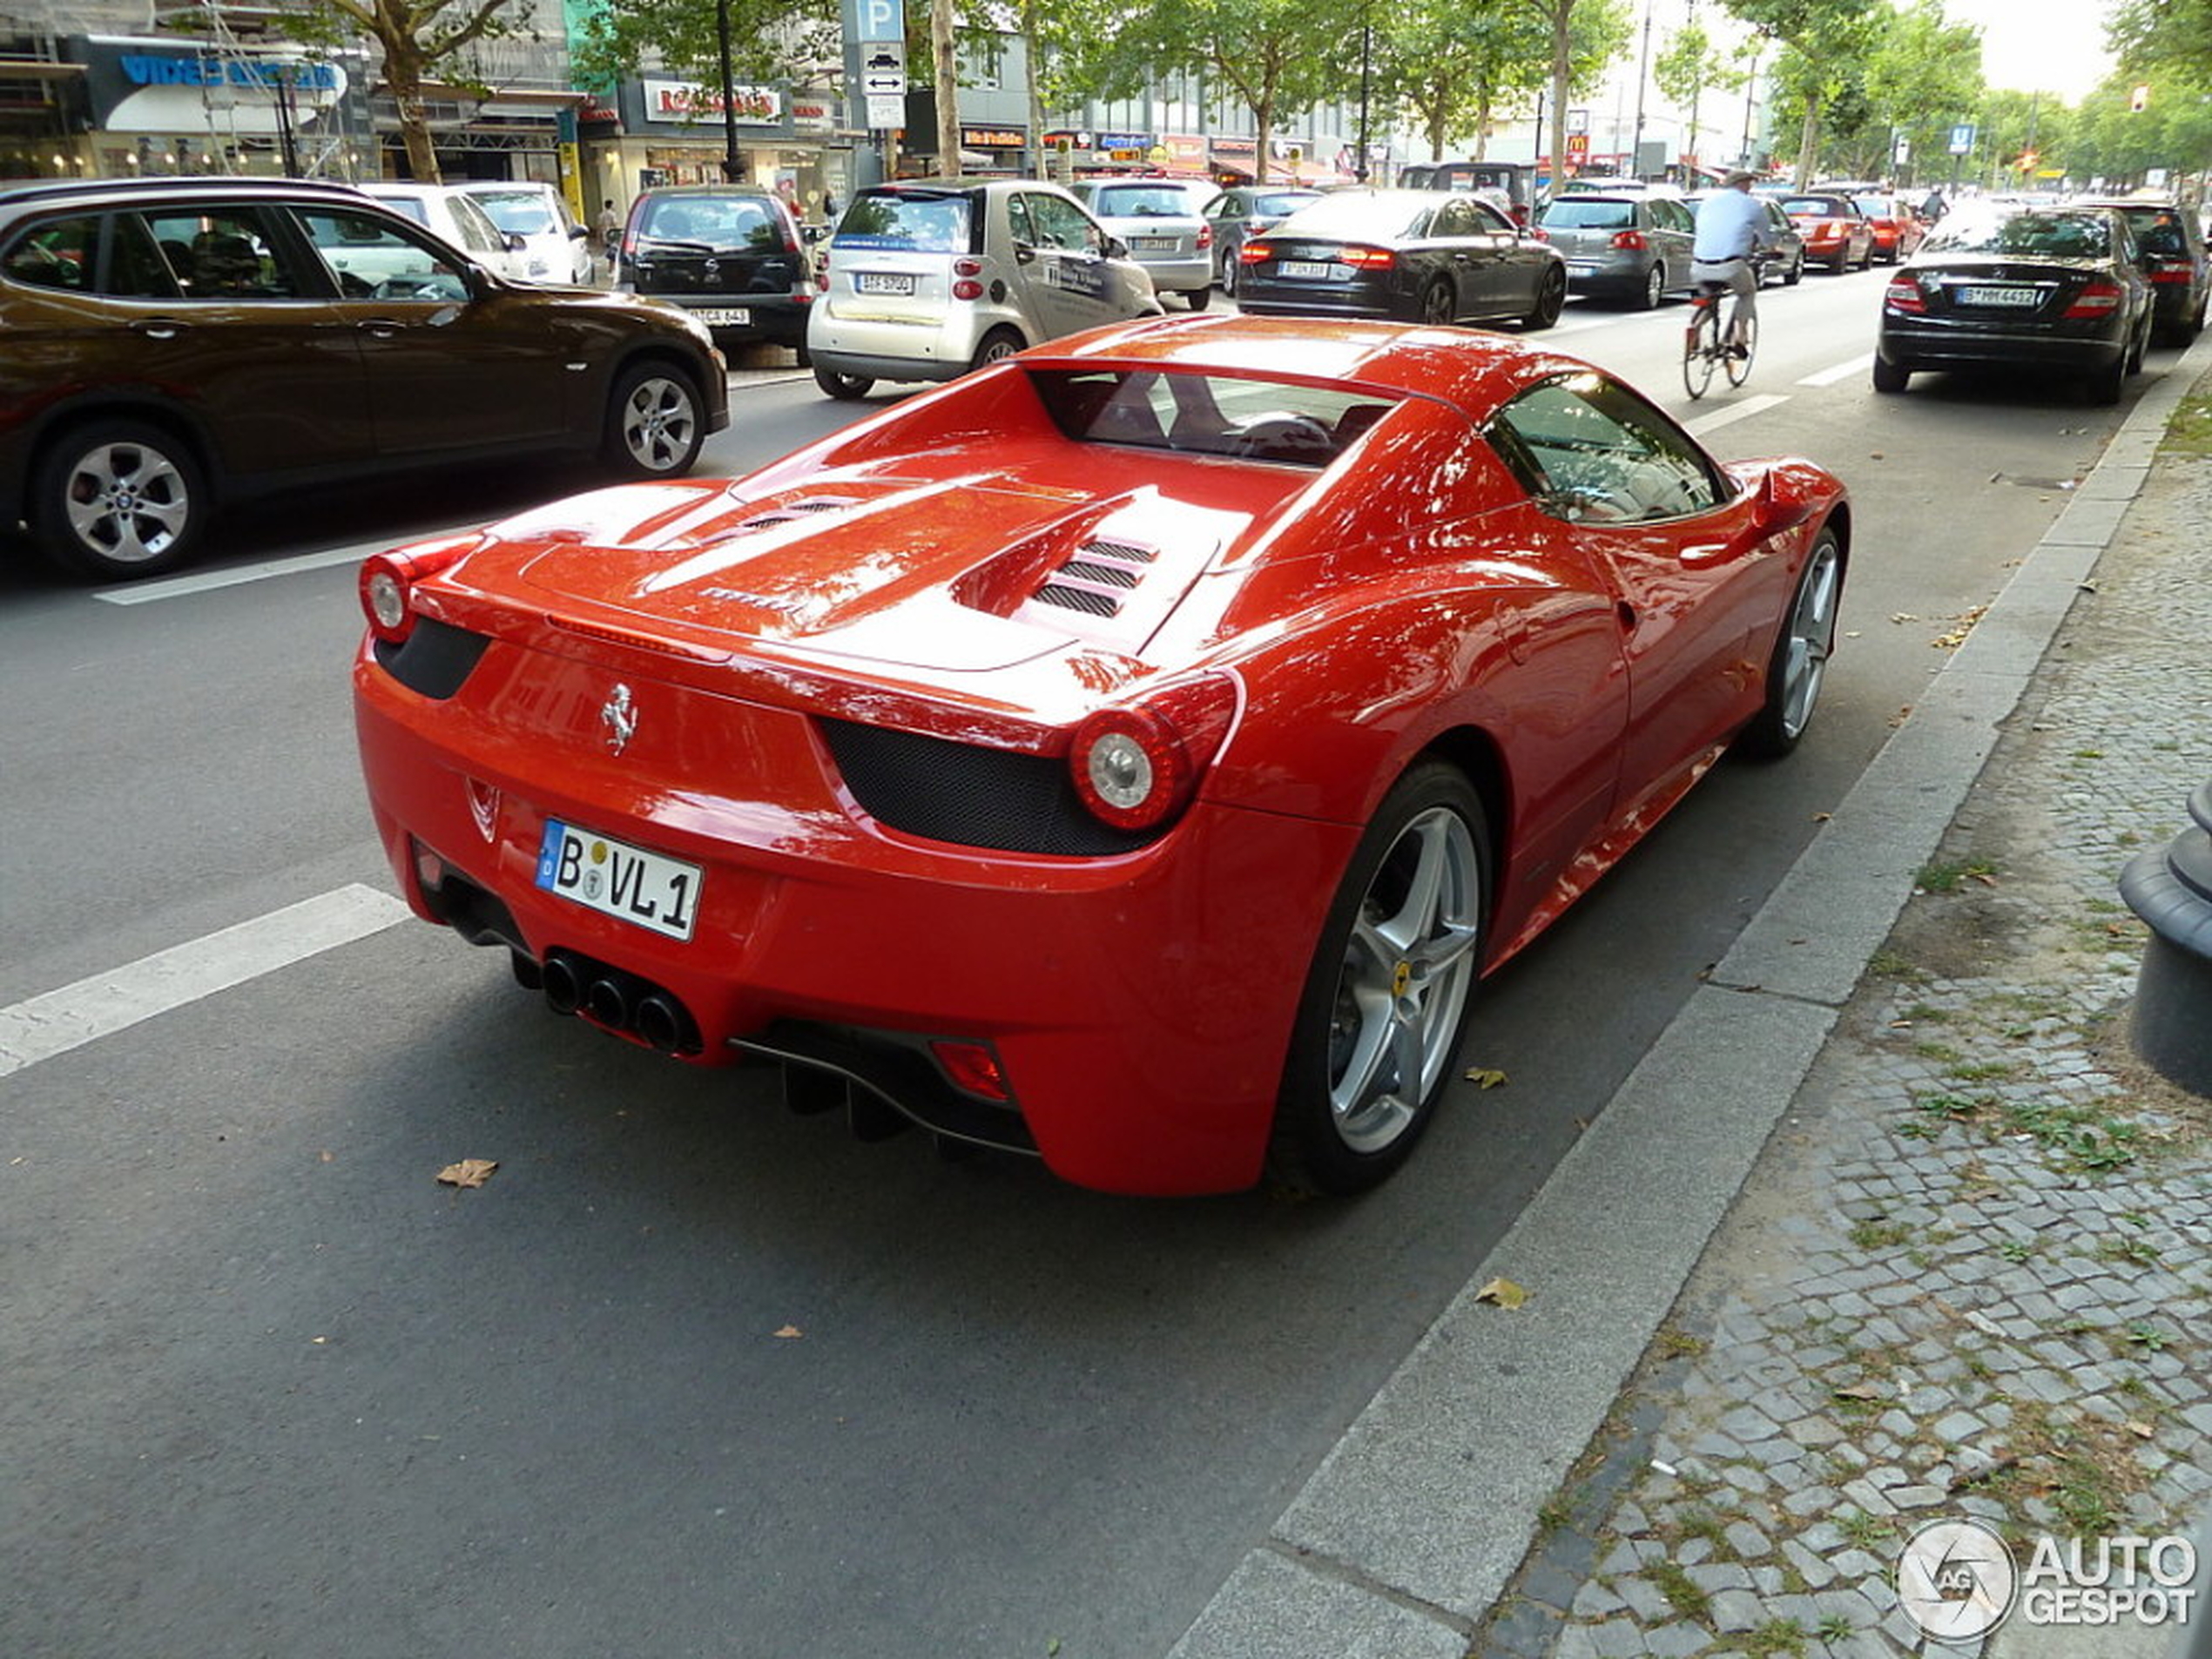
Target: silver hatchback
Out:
[1164,222]
[927,279]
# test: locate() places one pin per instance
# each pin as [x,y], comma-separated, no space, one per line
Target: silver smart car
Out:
[927,279]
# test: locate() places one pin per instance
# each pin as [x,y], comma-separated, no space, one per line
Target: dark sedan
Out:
[1409,255]
[2060,289]
[2172,250]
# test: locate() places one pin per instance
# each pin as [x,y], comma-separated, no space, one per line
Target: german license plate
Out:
[648,890]
[1152,244]
[1987,296]
[723,316]
[1307,269]
[882,282]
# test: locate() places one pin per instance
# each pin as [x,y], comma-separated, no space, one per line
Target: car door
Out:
[1069,278]
[448,370]
[1695,580]
[1458,246]
[1675,232]
[222,311]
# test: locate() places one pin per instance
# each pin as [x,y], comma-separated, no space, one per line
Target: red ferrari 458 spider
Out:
[1133,753]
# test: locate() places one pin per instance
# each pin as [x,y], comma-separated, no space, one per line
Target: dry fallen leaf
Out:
[1502,1291]
[1487,1076]
[469,1172]
[789,1331]
[2141,1430]
[1822,818]
[1860,1390]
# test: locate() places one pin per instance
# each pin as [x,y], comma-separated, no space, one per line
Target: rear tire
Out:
[1197,298]
[1437,308]
[1799,661]
[999,344]
[2107,386]
[1551,300]
[1654,287]
[654,427]
[1890,377]
[1388,995]
[1796,274]
[844,388]
[118,500]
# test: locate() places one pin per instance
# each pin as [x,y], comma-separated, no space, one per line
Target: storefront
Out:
[673,132]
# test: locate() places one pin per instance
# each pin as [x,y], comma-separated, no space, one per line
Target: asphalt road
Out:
[690,1375]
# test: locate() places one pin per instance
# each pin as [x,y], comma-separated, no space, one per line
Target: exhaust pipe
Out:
[661,1023]
[608,1001]
[528,974]
[564,985]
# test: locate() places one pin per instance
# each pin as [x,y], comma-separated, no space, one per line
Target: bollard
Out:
[2170,887]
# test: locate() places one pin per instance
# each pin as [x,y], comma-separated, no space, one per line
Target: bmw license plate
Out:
[2018,298]
[882,282]
[649,890]
[1307,269]
[723,316]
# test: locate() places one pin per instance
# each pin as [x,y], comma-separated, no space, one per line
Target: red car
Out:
[1835,231]
[1132,753]
[1898,228]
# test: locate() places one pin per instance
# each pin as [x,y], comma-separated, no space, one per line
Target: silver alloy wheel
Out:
[127,501]
[1808,639]
[659,420]
[1408,970]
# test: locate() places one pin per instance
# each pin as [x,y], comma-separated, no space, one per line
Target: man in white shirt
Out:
[1732,226]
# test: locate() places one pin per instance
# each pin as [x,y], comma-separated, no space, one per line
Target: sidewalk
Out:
[1968,1275]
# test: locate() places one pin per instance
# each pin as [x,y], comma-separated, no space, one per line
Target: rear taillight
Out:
[1903,294]
[1136,766]
[2098,300]
[1205,236]
[965,275]
[2171,271]
[1630,240]
[387,583]
[821,272]
[1254,253]
[1367,259]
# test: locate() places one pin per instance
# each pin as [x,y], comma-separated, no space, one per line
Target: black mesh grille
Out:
[1127,552]
[1111,575]
[1068,598]
[436,659]
[970,796]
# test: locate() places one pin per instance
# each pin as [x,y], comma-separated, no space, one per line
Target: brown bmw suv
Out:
[170,344]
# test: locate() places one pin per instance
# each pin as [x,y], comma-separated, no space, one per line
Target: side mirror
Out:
[514,241]
[576,232]
[1780,507]
[1024,254]
[811,234]
[1117,248]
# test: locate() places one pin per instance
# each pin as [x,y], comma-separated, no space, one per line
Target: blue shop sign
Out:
[148,69]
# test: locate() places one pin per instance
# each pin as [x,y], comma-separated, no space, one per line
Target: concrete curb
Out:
[1414,1523]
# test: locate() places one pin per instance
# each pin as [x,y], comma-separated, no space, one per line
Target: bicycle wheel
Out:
[1739,368]
[1701,344]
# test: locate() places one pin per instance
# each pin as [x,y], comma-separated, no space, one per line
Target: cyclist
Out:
[1732,231]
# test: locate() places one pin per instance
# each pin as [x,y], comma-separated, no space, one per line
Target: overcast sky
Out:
[2039,45]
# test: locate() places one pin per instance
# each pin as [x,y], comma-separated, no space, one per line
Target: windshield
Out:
[913,223]
[711,224]
[410,205]
[1237,417]
[1592,214]
[2066,236]
[522,211]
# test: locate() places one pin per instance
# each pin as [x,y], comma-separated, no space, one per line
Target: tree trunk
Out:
[405,76]
[945,72]
[1563,73]
[1809,145]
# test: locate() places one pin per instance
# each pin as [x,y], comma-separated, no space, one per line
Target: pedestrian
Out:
[609,226]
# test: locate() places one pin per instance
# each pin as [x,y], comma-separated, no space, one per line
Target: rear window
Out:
[2069,236]
[1283,201]
[1820,206]
[1230,416]
[1589,214]
[715,224]
[1140,201]
[1878,206]
[1353,214]
[913,224]
[2156,230]
[523,212]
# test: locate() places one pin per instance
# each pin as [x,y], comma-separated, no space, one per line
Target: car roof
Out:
[659,190]
[44,190]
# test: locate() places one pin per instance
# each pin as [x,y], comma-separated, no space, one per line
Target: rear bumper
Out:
[779,318]
[1141,1005]
[1177,276]
[1925,346]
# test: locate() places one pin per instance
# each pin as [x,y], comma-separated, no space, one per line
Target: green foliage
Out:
[769,40]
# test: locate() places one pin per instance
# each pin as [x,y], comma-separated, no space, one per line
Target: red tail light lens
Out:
[1205,236]
[972,1067]
[1254,253]
[1367,259]
[1631,241]
[2171,271]
[821,272]
[387,583]
[968,289]
[2098,300]
[1137,765]
[1903,294]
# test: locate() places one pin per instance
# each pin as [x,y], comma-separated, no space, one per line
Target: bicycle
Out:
[1712,324]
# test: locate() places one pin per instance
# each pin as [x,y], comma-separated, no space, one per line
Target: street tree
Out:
[1581,38]
[1924,74]
[1690,64]
[1824,45]
[2175,36]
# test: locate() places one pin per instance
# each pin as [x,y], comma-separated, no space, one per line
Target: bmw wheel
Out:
[1800,660]
[1388,995]
[118,499]
[654,428]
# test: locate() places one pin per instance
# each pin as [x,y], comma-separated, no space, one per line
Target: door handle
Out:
[380,328]
[159,328]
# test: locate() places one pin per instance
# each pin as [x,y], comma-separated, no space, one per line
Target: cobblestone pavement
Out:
[1970,1276]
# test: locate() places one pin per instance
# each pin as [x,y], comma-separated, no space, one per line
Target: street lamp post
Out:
[1366,60]
[732,168]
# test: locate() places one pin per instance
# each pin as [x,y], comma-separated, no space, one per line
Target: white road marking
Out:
[59,1021]
[1734,411]
[1842,371]
[140,593]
